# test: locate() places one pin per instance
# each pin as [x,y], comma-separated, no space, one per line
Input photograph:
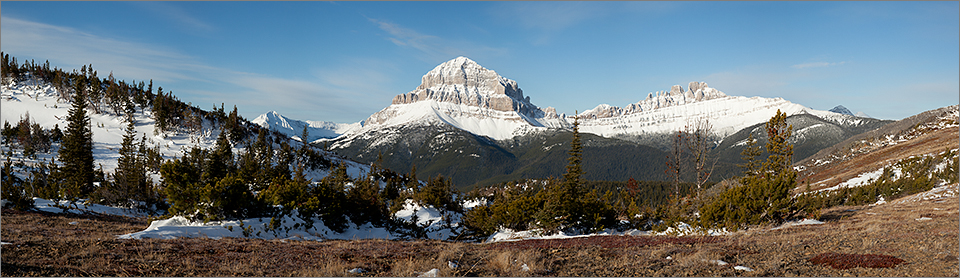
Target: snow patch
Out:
[937,193]
[742,268]
[805,221]
[81,207]
[290,227]
[432,273]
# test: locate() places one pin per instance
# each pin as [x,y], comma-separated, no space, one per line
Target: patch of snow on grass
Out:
[880,201]
[805,221]
[684,229]
[860,180]
[940,192]
[742,268]
[432,273]
[718,262]
[80,207]
[291,227]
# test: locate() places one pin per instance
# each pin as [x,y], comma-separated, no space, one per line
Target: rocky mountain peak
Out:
[463,81]
[696,92]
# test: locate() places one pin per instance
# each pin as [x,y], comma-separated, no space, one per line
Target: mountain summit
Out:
[463,81]
[463,94]
[842,110]
[471,124]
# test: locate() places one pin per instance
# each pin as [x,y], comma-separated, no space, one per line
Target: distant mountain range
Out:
[294,128]
[469,123]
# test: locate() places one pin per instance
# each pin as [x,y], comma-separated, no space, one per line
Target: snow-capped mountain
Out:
[465,108]
[294,128]
[669,111]
[463,94]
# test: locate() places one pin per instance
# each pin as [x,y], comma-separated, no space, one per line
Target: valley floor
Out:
[921,230]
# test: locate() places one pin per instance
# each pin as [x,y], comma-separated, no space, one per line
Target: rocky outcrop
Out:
[696,92]
[463,81]
[842,110]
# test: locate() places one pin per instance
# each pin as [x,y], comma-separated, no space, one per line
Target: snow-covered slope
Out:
[463,94]
[727,114]
[39,100]
[665,112]
[294,128]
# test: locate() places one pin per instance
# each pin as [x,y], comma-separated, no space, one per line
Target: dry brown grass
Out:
[515,263]
[928,248]
[834,173]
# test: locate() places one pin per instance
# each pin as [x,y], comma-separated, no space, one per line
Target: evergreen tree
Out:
[181,182]
[567,206]
[751,165]
[76,151]
[129,177]
[781,152]
[220,161]
[765,193]
[13,188]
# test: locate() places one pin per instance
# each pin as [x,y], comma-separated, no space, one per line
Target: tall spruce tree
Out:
[129,176]
[76,152]
[563,208]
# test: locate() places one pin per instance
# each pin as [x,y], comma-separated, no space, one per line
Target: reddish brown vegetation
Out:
[603,242]
[848,261]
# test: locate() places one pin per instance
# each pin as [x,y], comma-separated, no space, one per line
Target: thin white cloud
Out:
[73,48]
[817,65]
[179,15]
[553,16]
[69,48]
[547,20]
[433,48]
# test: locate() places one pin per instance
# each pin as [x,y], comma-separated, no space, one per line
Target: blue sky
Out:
[342,61]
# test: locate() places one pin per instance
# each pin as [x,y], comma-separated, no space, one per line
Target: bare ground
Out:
[923,234]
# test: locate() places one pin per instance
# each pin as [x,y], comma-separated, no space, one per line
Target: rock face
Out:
[842,110]
[462,93]
[463,81]
[696,92]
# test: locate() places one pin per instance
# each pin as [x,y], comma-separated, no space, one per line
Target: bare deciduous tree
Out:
[674,162]
[699,143]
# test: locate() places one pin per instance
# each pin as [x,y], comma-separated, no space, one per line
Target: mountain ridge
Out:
[464,117]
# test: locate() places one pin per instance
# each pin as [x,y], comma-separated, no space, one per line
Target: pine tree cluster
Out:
[765,192]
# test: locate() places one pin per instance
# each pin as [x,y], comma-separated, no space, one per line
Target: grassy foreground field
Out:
[914,237]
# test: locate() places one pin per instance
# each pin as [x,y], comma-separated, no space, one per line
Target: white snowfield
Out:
[727,114]
[39,100]
[21,98]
